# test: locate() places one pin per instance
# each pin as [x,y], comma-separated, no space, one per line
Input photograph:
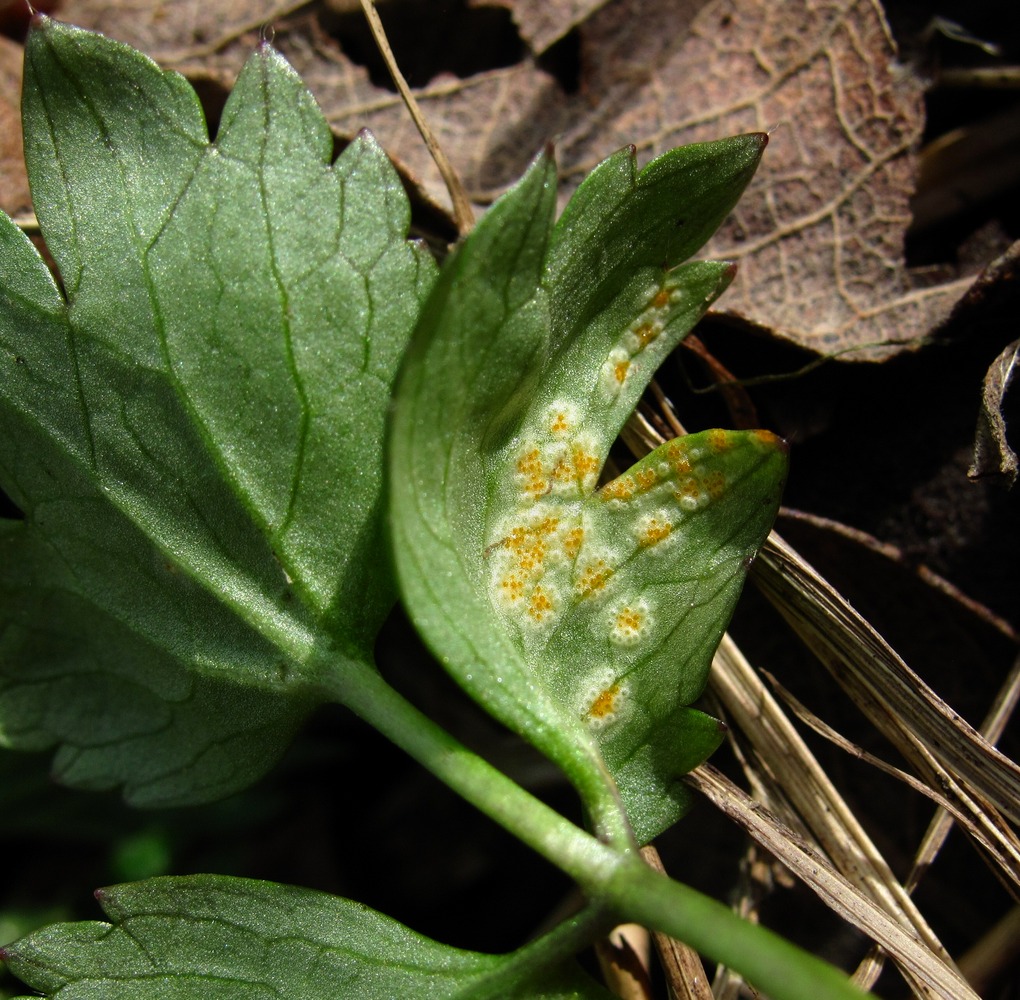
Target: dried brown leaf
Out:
[992,454]
[14,194]
[173,33]
[819,235]
[544,22]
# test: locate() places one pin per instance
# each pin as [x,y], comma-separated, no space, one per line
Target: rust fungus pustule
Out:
[768,440]
[653,529]
[720,441]
[629,623]
[541,604]
[605,703]
[593,577]
[622,488]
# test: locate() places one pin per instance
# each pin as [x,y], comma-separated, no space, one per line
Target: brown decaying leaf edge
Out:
[542,23]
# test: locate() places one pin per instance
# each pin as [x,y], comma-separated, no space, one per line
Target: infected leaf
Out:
[581,617]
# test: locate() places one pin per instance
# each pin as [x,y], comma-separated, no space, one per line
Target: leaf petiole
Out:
[617,879]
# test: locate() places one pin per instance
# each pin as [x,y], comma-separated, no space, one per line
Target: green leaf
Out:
[585,618]
[209,936]
[192,423]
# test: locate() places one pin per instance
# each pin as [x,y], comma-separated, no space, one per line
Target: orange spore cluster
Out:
[529,467]
[646,478]
[688,488]
[604,703]
[540,606]
[593,578]
[629,622]
[677,456]
[621,488]
[577,467]
[715,484]
[572,542]
[512,587]
[654,531]
[720,440]
[645,333]
[585,463]
[529,543]
[532,555]
[560,423]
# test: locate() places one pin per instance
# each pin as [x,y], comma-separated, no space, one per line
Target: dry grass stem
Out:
[27,223]
[624,957]
[942,822]
[463,214]
[947,806]
[788,766]
[994,953]
[681,964]
[944,749]
[930,976]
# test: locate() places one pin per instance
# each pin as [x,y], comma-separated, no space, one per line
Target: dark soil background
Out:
[882,448]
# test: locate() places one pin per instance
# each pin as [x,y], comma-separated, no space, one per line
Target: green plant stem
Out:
[363,690]
[616,878]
